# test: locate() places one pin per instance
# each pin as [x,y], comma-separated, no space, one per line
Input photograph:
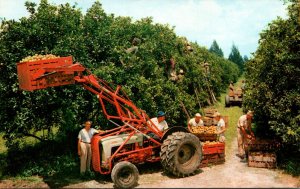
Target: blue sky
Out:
[201,21]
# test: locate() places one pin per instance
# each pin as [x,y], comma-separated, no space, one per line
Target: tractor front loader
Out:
[118,150]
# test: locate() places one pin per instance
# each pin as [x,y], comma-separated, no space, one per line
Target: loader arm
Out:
[42,74]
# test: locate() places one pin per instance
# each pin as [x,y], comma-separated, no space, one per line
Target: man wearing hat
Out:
[244,126]
[160,121]
[196,121]
[220,127]
[84,146]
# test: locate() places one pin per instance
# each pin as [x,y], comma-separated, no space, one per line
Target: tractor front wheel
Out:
[181,154]
[125,175]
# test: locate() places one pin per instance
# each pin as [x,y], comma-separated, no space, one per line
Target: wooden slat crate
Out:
[217,148]
[209,112]
[264,145]
[26,70]
[212,159]
[262,160]
[206,137]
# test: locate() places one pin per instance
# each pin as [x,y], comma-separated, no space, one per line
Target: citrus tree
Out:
[273,78]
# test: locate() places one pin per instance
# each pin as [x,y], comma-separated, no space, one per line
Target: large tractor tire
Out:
[125,175]
[227,101]
[181,154]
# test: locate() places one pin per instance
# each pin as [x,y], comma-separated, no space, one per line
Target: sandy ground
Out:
[231,174]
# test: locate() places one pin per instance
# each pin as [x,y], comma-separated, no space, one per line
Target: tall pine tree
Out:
[236,57]
[246,59]
[214,48]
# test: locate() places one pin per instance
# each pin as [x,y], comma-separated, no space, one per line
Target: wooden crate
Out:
[209,112]
[218,148]
[262,160]
[27,70]
[206,137]
[212,159]
[264,145]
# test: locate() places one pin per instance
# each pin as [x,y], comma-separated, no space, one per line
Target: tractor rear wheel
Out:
[181,154]
[227,101]
[125,175]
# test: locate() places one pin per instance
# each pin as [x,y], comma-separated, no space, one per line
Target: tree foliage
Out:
[273,78]
[99,40]
[214,48]
[236,57]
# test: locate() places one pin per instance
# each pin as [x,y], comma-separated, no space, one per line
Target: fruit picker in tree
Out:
[171,69]
[196,121]
[206,67]
[188,47]
[220,127]
[244,133]
[134,48]
[84,146]
[180,75]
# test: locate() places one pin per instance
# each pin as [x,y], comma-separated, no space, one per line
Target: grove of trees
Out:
[99,41]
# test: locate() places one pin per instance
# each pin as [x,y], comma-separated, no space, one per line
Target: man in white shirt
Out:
[220,127]
[160,121]
[196,121]
[244,125]
[84,146]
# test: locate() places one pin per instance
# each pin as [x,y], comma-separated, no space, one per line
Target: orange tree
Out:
[99,41]
[273,78]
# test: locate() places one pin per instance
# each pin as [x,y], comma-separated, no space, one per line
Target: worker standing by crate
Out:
[196,121]
[244,126]
[220,127]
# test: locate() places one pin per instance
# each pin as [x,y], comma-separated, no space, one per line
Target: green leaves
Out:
[214,48]
[273,78]
[98,41]
[236,57]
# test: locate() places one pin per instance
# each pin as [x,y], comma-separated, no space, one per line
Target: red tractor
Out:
[116,151]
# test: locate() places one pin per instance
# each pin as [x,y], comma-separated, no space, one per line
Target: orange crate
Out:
[206,137]
[262,159]
[212,159]
[213,148]
[27,69]
[210,112]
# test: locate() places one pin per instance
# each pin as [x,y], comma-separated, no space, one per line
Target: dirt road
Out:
[229,175]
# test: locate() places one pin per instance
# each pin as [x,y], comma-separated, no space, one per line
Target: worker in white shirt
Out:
[220,127]
[196,121]
[84,146]
[244,126]
[160,121]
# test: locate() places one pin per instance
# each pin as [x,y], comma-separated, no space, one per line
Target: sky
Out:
[228,22]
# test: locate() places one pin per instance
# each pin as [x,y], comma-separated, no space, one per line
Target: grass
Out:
[233,112]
